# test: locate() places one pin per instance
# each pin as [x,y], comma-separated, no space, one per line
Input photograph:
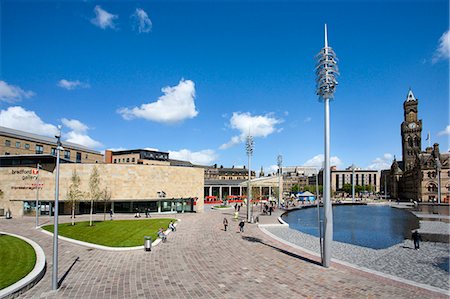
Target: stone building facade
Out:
[160,188]
[419,174]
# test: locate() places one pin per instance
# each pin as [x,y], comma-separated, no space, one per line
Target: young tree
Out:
[74,193]
[106,197]
[94,190]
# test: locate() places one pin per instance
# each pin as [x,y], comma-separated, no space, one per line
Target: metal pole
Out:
[55,217]
[328,218]
[37,196]
[319,222]
[280,189]
[438,170]
[353,183]
[249,192]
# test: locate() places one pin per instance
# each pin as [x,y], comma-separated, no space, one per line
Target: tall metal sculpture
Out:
[326,73]
[249,149]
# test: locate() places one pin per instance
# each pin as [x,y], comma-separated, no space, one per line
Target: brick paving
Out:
[200,260]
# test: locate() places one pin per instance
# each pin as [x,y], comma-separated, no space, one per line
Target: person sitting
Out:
[172,226]
[162,235]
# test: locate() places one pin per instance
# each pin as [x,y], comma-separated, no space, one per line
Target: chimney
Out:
[436,150]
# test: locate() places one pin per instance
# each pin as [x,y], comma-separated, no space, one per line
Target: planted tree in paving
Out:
[74,193]
[95,193]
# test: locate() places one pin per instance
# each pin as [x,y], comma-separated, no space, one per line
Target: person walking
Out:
[172,226]
[225,223]
[162,235]
[111,214]
[241,226]
[416,238]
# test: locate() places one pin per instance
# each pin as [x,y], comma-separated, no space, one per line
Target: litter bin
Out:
[148,243]
[8,215]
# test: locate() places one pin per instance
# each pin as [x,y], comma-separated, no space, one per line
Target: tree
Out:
[94,190]
[106,197]
[295,188]
[74,193]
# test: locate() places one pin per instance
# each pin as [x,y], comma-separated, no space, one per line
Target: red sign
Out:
[35,171]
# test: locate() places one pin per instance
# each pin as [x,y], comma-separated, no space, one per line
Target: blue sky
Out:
[193,77]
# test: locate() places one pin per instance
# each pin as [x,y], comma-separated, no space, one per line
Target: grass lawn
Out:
[222,207]
[116,233]
[17,259]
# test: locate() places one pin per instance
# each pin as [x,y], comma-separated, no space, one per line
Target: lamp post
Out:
[326,72]
[249,148]
[438,171]
[38,167]
[280,189]
[55,214]
[319,222]
[353,182]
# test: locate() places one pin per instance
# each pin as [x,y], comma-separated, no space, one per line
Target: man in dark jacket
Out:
[416,237]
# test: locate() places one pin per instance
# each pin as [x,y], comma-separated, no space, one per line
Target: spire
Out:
[326,37]
[261,173]
[410,96]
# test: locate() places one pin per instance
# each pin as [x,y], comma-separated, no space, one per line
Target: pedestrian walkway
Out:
[201,260]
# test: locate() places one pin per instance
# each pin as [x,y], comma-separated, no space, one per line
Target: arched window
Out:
[410,142]
[432,188]
[417,141]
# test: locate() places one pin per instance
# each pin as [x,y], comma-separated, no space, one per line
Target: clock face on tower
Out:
[412,125]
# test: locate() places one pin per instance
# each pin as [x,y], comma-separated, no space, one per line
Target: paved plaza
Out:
[200,260]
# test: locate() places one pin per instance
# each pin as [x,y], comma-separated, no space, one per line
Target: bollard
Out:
[147,243]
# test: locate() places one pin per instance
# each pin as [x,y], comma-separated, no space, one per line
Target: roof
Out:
[180,163]
[44,139]
[136,151]
[235,183]
[306,193]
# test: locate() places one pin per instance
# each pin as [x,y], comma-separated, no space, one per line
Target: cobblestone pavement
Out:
[200,260]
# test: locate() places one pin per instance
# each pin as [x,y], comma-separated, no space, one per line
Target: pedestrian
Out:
[270,210]
[236,215]
[172,226]
[225,223]
[162,235]
[235,207]
[137,215]
[240,206]
[416,237]
[146,212]
[111,214]
[241,226]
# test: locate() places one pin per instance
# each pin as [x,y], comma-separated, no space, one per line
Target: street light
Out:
[38,167]
[438,170]
[249,148]
[353,181]
[280,189]
[326,72]
[55,214]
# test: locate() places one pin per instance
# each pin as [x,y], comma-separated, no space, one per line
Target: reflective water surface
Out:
[375,227]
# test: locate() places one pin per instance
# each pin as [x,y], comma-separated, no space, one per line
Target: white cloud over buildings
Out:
[446,131]
[317,161]
[103,19]
[175,105]
[257,126]
[11,93]
[203,157]
[381,162]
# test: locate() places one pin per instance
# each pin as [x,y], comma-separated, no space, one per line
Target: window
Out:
[86,156]
[133,159]
[67,154]
[27,146]
[53,151]
[7,142]
[128,160]
[17,144]
[115,160]
[6,153]
[78,160]
[39,149]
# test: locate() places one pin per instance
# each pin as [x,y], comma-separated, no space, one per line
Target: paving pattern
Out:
[200,260]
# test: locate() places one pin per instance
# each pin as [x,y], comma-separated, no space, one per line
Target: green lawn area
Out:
[222,207]
[116,233]
[17,259]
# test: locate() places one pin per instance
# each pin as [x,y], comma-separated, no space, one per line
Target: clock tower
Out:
[411,130]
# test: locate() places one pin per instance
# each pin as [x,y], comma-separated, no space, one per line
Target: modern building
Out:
[159,188]
[222,182]
[137,156]
[367,178]
[420,173]
[15,142]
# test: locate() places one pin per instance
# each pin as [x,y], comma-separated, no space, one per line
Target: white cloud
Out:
[446,131]
[142,21]
[257,126]
[151,149]
[308,119]
[382,162]
[272,169]
[78,133]
[177,104]
[16,117]
[70,85]
[11,93]
[204,157]
[103,19]
[443,50]
[317,161]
